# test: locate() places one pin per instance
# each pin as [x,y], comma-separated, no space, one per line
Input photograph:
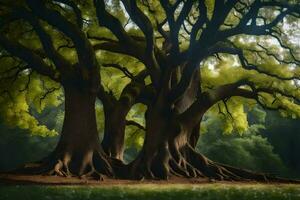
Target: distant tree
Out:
[247,150]
[284,135]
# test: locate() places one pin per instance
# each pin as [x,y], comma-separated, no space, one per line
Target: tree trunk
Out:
[155,148]
[114,133]
[167,152]
[78,151]
[195,135]
[170,141]
[186,101]
[165,135]
[115,112]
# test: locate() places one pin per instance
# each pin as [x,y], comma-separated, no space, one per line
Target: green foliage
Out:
[21,95]
[134,137]
[113,79]
[18,146]
[100,118]
[250,150]
[227,69]
[214,71]
[210,4]
[284,135]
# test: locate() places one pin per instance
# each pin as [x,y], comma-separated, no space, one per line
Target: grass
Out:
[151,191]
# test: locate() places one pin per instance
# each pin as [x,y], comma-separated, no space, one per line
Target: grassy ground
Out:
[151,191]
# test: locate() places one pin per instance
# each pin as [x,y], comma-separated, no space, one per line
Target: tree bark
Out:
[114,133]
[115,112]
[186,101]
[170,141]
[78,151]
[155,147]
[167,152]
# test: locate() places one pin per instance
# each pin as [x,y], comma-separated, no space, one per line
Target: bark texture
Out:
[114,134]
[170,141]
[167,152]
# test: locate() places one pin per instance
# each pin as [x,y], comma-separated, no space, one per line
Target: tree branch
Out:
[76,10]
[134,123]
[143,23]
[45,39]
[125,71]
[85,51]
[253,29]
[32,59]
[202,19]
[245,64]
[116,47]
[112,23]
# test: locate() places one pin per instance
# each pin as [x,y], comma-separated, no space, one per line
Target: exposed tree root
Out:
[179,162]
[186,162]
[91,165]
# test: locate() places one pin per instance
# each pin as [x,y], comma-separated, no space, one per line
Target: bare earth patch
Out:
[20,179]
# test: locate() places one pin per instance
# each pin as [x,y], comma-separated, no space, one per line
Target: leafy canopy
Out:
[260,46]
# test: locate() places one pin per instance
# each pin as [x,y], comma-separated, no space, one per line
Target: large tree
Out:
[196,56]
[43,56]
[63,55]
[184,38]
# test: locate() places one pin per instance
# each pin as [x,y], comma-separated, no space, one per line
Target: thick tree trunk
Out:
[195,135]
[165,135]
[114,133]
[167,152]
[78,151]
[115,112]
[154,153]
[186,101]
[162,153]
[170,141]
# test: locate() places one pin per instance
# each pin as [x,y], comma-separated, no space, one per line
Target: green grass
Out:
[151,191]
